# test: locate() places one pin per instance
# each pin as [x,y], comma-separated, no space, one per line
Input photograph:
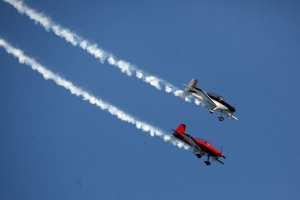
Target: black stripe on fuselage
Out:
[232,109]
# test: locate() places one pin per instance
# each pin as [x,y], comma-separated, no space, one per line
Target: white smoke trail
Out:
[93,49]
[23,59]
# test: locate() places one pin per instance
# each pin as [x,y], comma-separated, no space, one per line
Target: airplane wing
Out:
[203,96]
[191,141]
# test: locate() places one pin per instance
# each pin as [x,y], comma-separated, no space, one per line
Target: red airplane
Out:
[201,147]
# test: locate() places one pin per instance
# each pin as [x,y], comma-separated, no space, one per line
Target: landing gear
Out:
[207,162]
[221,118]
[213,110]
[199,155]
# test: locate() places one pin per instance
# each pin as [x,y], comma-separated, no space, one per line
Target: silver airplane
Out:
[213,102]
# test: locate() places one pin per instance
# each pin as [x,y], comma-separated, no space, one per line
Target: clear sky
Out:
[54,145]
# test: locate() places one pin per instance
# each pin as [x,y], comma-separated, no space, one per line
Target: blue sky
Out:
[54,145]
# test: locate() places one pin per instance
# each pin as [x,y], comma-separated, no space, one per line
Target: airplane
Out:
[201,147]
[211,101]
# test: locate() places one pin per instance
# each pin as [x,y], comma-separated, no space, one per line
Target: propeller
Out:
[236,103]
[229,116]
[222,152]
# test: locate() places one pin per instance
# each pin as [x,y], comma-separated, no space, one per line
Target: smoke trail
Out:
[23,59]
[93,49]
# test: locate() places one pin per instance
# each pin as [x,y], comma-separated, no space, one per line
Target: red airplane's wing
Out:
[179,134]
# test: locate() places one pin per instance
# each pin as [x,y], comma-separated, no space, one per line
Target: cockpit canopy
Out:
[203,140]
[217,96]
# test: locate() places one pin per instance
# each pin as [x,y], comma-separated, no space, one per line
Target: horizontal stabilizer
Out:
[233,117]
[219,161]
[193,83]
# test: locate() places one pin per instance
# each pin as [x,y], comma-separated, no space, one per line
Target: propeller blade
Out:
[236,103]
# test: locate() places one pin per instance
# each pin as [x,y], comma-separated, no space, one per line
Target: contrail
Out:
[23,59]
[93,49]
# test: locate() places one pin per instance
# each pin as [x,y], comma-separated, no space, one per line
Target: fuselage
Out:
[221,104]
[201,146]
[208,149]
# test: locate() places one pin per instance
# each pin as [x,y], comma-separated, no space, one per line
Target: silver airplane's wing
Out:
[202,96]
[199,94]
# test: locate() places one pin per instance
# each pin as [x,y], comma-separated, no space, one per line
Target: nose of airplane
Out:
[224,157]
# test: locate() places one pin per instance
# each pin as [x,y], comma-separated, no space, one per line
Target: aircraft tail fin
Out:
[193,83]
[180,129]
